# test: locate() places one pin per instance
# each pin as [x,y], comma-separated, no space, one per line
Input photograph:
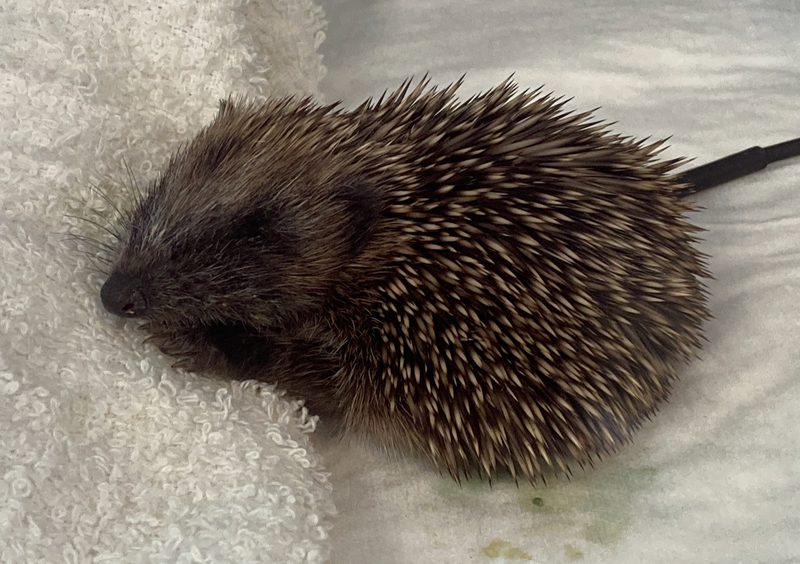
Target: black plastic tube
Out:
[736,166]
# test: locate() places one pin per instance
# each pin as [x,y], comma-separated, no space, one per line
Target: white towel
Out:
[106,453]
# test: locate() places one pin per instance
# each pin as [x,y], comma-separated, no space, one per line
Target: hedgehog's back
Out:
[546,290]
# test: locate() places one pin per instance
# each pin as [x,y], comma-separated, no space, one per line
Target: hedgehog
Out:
[496,284]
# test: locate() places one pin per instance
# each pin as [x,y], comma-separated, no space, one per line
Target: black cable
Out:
[736,166]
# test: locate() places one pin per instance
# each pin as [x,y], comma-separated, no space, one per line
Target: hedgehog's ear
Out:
[363,209]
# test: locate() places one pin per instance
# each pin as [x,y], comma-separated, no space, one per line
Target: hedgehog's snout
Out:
[122,295]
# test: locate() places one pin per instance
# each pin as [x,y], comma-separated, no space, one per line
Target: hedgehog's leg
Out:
[304,369]
[307,370]
[192,347]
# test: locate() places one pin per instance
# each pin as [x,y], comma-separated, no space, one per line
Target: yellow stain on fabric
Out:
[499,548]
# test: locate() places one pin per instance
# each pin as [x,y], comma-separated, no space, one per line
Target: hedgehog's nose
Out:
[121,295]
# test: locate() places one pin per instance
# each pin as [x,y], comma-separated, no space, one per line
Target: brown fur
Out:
[495,283]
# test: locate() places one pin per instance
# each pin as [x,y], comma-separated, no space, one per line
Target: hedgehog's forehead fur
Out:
[521,282]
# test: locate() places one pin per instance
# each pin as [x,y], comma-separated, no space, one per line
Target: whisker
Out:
[93,257]
[113,233]
[138,194]
[95,267]
[96,189]
[89,241]
[111,224]
[97,270]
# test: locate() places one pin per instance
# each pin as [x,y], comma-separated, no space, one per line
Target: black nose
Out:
[122,295]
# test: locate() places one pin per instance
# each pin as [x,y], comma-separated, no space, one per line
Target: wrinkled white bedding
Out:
[715,478]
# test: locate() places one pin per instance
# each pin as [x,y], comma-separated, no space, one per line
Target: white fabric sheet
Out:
[715,478]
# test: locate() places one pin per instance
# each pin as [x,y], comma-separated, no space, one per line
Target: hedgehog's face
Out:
[256,265]
[196,271]
[228,237]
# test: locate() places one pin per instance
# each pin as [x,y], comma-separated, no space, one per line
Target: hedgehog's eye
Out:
[269,229]
[252,225]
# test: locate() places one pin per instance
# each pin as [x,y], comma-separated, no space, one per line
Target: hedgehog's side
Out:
[494,282]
